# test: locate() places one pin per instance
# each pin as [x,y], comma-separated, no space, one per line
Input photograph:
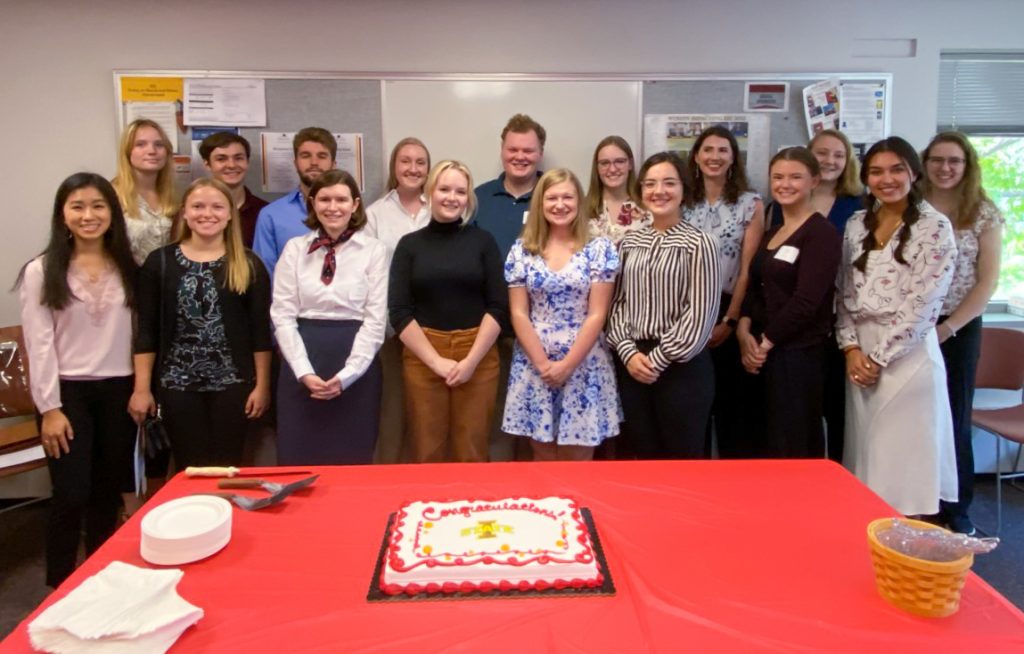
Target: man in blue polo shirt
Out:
[502,203]
[283,219]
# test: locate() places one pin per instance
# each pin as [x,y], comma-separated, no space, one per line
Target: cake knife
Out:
[231,471]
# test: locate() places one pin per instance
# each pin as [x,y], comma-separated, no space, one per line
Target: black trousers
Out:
[835,398]
[961,353]
[793,393]
[88,480]
[667,419]
[206,428]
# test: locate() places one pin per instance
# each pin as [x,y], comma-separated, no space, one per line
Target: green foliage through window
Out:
[1002,167]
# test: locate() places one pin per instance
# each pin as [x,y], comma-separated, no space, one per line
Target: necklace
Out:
[882,242]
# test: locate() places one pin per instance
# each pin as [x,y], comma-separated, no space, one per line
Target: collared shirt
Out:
[668,292]
[248,213]
[501,214]
[728,223]
[359,291]
[387,220]
[91,338]
[279,222]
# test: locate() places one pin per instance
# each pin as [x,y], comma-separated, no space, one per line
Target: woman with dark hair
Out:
[787,312]
[612,205]
[661,319]
[203,339]
[330,304]
[953,186]
[721,203]
[898,261]
[76,314]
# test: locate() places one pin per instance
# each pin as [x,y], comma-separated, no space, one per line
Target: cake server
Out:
[269,486]
[231,471]
[248,503]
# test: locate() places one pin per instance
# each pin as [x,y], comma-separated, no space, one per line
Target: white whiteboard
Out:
[463,119]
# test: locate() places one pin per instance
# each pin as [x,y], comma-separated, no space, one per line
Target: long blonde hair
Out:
[408,140]
[849,182]
[237,268]
[536,231]
[124,181]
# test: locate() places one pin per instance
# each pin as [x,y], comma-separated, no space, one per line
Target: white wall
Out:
[56,58]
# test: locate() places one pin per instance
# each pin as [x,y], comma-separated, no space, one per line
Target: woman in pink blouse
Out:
[76,313]
[898,258]
[953,186]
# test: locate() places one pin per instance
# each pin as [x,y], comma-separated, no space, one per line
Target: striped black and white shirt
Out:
[668,292]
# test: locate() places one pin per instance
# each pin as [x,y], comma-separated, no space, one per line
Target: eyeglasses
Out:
[605,164]
[939,162]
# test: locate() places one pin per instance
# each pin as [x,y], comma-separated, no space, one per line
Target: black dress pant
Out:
[793,393]
[961,353]
[88,480]
[206,428]
[835,399]
[667,419]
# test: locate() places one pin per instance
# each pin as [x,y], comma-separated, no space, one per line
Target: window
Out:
[982,95]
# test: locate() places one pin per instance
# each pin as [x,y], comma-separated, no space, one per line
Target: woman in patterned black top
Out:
[203,340]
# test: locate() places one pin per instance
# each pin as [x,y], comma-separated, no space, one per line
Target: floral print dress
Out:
[586,409]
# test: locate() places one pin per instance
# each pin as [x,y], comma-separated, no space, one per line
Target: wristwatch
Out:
[731,322]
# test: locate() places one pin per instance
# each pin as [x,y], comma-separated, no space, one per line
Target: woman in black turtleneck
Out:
[447,301]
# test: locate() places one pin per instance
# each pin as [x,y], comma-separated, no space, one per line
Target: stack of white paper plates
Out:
[186,529]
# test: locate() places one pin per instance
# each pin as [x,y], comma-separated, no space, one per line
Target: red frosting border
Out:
[392,559]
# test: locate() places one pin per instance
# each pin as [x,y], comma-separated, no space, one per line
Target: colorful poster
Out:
[677,132]
[766,96]
[821,106]
[151,89]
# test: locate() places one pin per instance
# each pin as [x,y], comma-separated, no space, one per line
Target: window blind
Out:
[982,93]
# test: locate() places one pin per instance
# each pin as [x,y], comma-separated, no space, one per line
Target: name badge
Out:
[787,253]
[525,214]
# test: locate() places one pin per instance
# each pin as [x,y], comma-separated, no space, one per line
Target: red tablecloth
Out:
[708,556]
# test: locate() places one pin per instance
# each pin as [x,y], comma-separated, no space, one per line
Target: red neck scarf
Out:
[322,240]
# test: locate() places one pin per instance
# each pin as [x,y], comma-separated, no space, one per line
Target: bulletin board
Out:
[461,115]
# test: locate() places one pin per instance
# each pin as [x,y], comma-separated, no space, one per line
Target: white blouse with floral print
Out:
[631,217]
[965,275]
[903,298]
[147,231]
[728,223]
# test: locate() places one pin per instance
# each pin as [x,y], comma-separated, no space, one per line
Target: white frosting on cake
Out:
[489,544]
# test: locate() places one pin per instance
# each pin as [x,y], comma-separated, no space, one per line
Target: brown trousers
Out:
[438,417]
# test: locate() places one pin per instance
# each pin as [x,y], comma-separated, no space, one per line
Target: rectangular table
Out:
[707,556]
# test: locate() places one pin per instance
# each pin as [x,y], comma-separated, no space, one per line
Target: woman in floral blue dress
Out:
[561,390]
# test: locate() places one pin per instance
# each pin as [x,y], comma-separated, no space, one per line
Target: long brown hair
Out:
[911,214]
[594,202]
[970,192]
[537,230]
[736,177]
[238,271]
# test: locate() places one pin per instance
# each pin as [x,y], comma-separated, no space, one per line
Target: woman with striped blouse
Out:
[664,309]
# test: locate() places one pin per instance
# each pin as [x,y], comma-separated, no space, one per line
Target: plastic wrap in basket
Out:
[927,588]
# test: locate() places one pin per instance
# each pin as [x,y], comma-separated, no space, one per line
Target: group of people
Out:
[666,304]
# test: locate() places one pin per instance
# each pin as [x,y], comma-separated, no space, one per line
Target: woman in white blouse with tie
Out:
[329,308]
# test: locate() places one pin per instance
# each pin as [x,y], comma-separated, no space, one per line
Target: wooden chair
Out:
[1002,367]
[20,446]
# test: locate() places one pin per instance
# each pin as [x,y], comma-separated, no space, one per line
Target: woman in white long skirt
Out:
[898,258]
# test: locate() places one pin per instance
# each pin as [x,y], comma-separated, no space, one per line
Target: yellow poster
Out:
[151,89]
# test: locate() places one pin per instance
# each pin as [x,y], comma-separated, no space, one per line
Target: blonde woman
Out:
[447,301]
[952,184]
[561,392]
[203,338]
[145,186]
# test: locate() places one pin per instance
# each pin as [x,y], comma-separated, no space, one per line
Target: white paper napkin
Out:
[122,609]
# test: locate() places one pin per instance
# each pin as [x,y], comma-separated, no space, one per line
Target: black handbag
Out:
[154,436]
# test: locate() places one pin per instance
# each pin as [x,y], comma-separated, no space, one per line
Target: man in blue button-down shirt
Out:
[283,219]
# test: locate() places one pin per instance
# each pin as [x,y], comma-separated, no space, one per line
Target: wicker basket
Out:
[927,588]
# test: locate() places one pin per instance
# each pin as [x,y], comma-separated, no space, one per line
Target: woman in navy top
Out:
[787,312]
